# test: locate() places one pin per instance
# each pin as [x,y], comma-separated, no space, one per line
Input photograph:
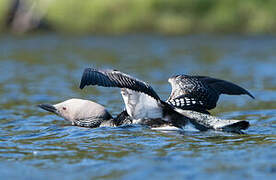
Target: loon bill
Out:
[200,93]
[141,101]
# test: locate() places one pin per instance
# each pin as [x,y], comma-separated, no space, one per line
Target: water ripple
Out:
[36,144]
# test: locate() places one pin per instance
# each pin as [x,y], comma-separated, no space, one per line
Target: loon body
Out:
[142,102]
[200,93]
[85,113]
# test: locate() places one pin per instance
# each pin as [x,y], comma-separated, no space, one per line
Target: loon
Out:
[200,93]
[79,112]
[142,103]
[86,113]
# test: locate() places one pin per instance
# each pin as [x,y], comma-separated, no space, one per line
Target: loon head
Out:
[78,111]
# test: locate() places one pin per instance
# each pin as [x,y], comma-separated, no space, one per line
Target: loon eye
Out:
[64,108]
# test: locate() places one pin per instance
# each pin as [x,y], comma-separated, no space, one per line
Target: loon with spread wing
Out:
[142,102]
[200,93]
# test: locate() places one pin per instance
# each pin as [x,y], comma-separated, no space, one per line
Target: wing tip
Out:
[83,82]
[237,126]
[244,125]
[250,95]
[81,86]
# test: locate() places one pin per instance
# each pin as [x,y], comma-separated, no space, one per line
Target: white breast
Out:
[140,105]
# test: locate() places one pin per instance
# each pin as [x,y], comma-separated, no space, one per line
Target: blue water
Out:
[47,69]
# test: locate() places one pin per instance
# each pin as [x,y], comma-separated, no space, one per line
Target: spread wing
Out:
[224,87]
[200,93]
[114,78]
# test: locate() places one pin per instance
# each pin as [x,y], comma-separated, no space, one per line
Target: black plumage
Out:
[114,78]
[204,91]
[200,93]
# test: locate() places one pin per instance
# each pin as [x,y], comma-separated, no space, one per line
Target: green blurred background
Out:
[146,16]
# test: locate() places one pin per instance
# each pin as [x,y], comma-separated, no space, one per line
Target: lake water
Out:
[47,68]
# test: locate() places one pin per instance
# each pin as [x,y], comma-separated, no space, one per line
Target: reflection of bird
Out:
[200,93]
[142,102]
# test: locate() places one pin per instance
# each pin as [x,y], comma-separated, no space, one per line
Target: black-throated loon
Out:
[85,113]
[200,93]
[142,102]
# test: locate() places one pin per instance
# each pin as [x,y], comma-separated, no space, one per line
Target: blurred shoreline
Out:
[169,17]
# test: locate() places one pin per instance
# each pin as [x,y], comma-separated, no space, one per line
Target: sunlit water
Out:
[47,69]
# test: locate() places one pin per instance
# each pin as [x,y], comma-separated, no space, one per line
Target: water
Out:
[47,69]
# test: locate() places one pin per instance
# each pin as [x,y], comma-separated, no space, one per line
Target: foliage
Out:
[163,16]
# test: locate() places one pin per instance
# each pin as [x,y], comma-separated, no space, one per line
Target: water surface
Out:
[47,69]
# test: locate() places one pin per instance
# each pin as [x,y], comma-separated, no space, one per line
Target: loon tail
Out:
[205,122]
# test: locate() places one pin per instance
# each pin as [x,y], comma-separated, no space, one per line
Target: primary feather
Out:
[200,93]
[114,78]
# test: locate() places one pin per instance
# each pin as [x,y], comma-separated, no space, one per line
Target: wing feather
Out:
[114,78]
[224,87]
[204,90]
